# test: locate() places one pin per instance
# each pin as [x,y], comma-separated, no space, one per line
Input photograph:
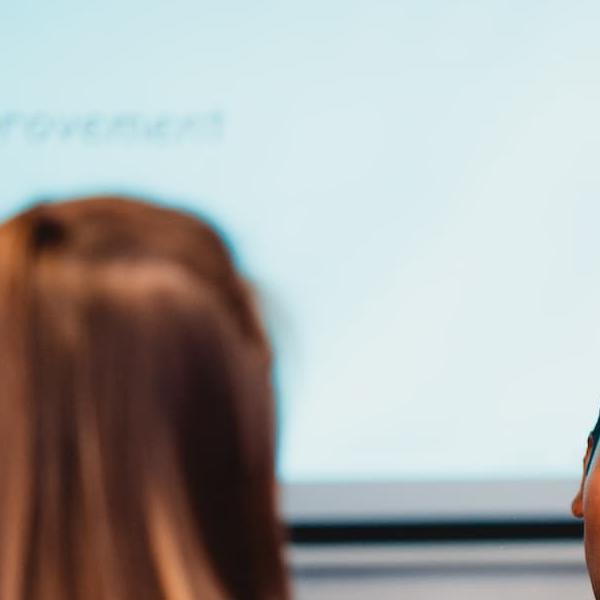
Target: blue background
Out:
[411,186]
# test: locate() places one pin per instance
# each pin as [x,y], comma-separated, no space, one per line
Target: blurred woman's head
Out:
[136,415]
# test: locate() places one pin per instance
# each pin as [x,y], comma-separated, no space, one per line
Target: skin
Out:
[586,506]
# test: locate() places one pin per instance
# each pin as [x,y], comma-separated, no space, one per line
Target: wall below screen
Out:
[485,571]
[546,499]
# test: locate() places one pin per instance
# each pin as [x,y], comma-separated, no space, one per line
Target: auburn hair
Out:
[136,411]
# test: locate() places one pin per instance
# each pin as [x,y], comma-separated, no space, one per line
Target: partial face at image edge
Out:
[586,506]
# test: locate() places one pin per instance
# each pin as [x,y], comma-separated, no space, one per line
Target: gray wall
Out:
[525,571]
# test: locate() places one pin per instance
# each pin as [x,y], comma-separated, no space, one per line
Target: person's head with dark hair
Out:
[136,411]
[586,506]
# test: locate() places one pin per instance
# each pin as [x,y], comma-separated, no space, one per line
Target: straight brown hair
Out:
[136,411]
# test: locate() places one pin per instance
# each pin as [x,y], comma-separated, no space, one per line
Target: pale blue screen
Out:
[412,186]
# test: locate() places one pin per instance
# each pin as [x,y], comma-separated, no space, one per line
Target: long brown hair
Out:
[136,412]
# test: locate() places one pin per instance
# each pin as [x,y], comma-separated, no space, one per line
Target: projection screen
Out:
[413,190]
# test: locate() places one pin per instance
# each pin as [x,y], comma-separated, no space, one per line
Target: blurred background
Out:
[412,188]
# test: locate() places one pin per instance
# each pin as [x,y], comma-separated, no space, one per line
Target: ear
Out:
[577,504]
